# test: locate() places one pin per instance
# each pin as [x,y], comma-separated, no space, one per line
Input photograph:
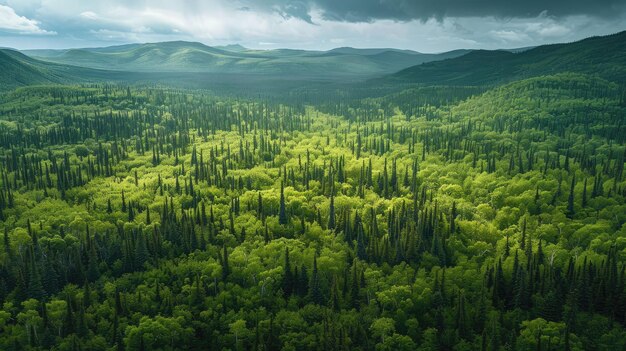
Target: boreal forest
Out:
[462,201]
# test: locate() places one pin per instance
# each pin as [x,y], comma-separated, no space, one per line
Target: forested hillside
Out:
[604,56]
[19,70]
[16,71]
[432,219]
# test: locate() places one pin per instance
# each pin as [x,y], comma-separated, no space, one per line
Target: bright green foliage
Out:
[441,218]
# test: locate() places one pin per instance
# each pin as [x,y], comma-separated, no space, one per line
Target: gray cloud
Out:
[298,9]
[423,25]
[406,10]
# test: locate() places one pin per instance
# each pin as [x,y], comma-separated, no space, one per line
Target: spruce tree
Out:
[570,200]
[462,319]
[331,219]
[282,214]
[35,287]
[287,284]
[315,289]
[141,251]
[225,265]
[355,289]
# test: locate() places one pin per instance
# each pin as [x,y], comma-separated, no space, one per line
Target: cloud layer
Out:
[12,23]
[424,25]
[405,10]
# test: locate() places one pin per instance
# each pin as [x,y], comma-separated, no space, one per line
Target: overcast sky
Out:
[422,25]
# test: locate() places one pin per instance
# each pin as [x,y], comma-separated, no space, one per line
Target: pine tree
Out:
[50,278]
[355,289]
[92,265]
[499,287]
[315,289]
[141,251]
[303,281]
[282,214]
[131,213]
[35,287]
[334,296]
[68,320]
[453,218]
[260,206]
[47,339]
[551,307]
[360,238]
[225,265]
[521,294]
[540,254]
[462,320]
[331,219]
[123,202]
[287,276]
[570,200]
[507,247]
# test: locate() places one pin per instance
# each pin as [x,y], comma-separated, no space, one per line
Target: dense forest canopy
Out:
[435,218]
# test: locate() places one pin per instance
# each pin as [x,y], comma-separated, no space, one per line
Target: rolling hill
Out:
[21,70]
[236,67]
[604,56]
[18,70]
[181,56]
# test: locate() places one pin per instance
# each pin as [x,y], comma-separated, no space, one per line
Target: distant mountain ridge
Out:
[182,56]
[604,56]
[195,64]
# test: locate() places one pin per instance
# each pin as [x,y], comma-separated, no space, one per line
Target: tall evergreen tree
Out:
[331,218]
[315,289]
[287,276]
[570,200]
[141,251]
[282,214]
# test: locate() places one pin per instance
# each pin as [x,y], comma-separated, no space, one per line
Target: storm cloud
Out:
[406,10]
[422,25]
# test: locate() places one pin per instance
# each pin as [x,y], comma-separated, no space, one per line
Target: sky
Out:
[421,25]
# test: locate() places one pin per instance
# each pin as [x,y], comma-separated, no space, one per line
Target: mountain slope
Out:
[180,56]
[604,56]
[20,70]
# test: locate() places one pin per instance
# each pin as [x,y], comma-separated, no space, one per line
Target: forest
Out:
[431,218]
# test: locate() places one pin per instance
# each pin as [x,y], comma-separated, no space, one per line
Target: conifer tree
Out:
[315,289]
[287,276]
[141,251]
[570,200]
[282,214]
